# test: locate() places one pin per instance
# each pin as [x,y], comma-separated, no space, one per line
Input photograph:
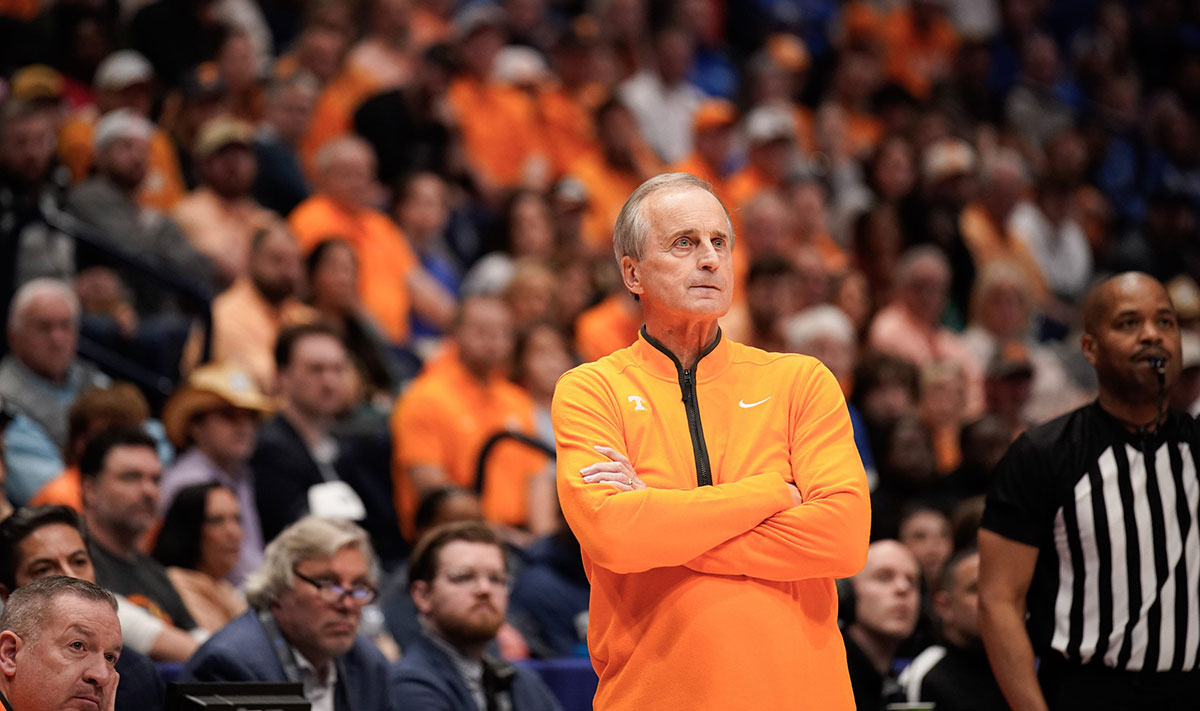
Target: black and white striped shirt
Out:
[1114,515]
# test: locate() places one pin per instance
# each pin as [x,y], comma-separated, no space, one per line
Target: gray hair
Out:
[27,608]
[825,320]
[631,231]
[34,289]
[310,537]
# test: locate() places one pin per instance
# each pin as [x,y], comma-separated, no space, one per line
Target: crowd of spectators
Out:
[337,246]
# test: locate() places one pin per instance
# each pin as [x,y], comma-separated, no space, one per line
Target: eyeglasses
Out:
[462,576]
[333,592]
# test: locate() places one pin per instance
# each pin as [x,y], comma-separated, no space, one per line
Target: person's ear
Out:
[1087,342]
[631,274]
[10,646]
[420,596]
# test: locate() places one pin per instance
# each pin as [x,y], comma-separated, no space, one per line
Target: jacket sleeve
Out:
[417,692]
[217,666]
[827,535]
[634,531]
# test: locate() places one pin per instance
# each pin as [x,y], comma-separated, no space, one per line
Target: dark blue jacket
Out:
[241,651]
[425,680]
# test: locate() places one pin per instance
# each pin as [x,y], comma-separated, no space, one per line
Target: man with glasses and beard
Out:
[458,576]
[306,604]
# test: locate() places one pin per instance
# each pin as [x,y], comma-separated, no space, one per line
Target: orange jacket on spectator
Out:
[499,129]
[608,326]
[385,258]
[721,596]
[163,185]
[443,420]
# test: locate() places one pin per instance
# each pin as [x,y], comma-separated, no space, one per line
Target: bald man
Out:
[1091,528]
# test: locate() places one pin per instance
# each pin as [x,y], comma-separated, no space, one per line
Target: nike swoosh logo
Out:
[743,404]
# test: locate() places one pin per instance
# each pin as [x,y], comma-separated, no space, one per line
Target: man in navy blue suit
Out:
[305,605]
[458,576]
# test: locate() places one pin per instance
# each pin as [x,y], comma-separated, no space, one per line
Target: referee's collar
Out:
[1122,428]
[659,361]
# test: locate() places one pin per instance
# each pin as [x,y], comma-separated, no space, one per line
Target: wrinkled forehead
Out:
[673,208]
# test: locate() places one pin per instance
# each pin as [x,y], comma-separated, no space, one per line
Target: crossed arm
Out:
[762,526]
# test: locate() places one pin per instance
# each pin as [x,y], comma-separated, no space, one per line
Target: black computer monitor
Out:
[236,696]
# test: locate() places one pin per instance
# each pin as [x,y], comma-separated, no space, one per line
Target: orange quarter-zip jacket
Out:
[710,590]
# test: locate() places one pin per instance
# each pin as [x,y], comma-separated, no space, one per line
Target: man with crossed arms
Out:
[714,488]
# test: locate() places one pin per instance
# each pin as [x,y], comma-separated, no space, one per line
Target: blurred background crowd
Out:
[323,251]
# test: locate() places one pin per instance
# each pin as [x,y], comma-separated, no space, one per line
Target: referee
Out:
[1091,528]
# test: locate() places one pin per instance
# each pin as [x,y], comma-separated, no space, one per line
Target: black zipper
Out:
[691,406]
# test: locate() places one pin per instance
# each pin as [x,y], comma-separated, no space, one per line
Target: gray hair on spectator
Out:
[26,611]
[824,320]
[630,232]
[310,537]
[33,290]
[918,256]
[339,147]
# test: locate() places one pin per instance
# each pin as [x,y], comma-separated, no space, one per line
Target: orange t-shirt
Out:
[23,10]
[567,128]
[919,59]
[745,185]
[163,185]
[988,243]
[66,489]
[443,420]
[245,327]
[608,189]
[608,326]
[333,113]
[697,166]
[499,129]
[385,259]
[731,581]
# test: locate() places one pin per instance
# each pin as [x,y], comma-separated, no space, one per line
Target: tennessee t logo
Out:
[638,402]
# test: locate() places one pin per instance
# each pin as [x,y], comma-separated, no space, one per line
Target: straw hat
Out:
[211,387]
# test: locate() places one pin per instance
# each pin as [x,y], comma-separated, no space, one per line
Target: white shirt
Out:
[664,113]
[318,691]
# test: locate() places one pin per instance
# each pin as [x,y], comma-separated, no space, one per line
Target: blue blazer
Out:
[241,651]
[425,680]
